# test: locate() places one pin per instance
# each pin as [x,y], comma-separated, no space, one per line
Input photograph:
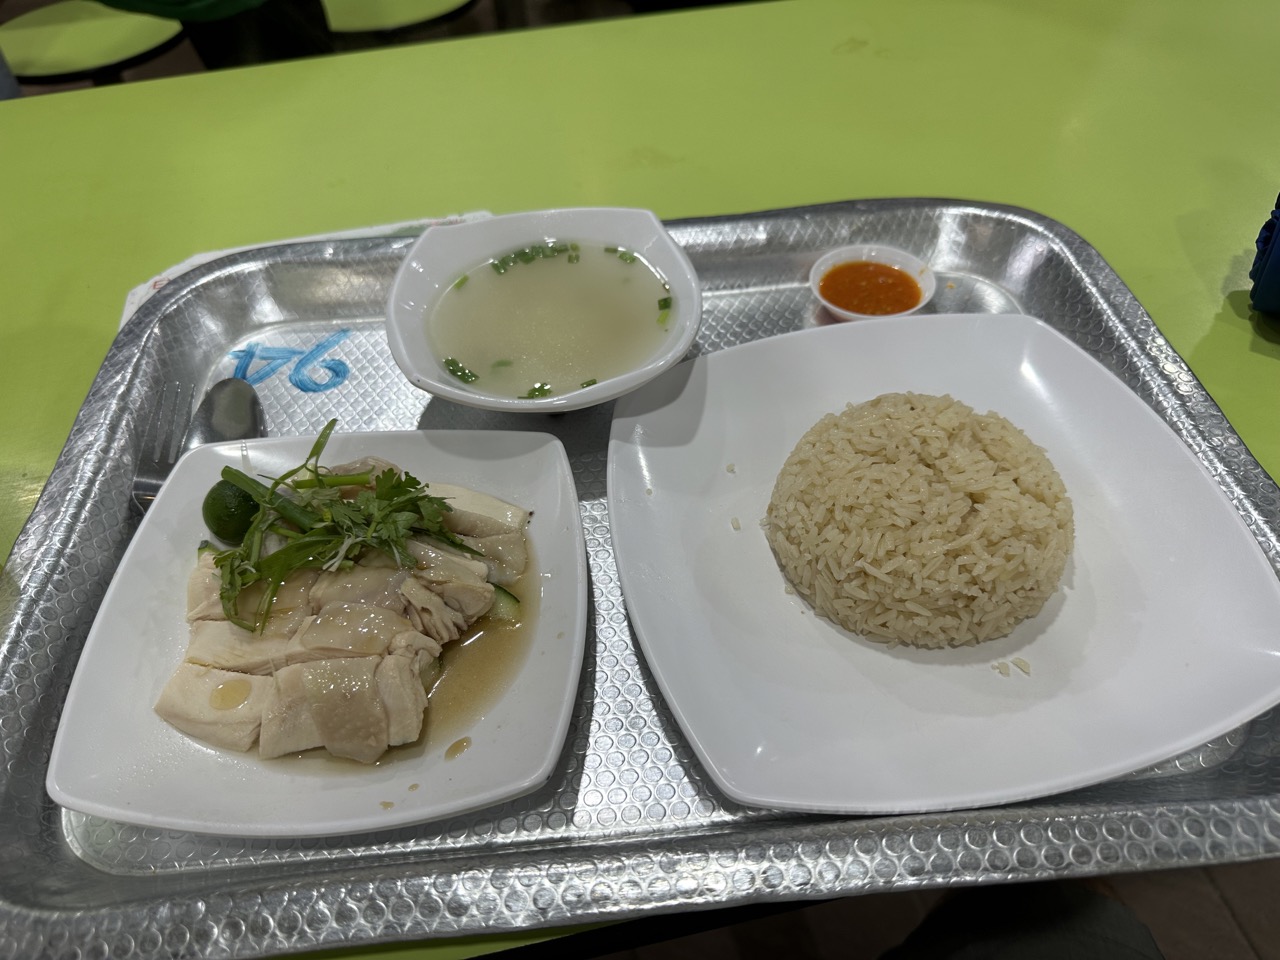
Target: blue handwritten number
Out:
[274,359]
[337,369]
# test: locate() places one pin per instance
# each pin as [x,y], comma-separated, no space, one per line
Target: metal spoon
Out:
[230,410]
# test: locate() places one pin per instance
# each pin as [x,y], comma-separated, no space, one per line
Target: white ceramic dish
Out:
[909,264]
[113,757]
[1162,638]
[444,253]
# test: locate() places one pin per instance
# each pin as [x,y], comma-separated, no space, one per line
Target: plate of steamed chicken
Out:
[332,634]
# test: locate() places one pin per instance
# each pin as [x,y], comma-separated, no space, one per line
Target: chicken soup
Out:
[551,318]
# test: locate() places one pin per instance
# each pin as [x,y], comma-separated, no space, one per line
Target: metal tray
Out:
[628,823]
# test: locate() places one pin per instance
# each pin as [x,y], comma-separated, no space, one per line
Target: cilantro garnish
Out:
[322,530]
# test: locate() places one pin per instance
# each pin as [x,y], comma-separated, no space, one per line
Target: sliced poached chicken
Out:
[341,661]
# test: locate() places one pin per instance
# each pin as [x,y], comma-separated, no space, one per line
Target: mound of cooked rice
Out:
[913,519]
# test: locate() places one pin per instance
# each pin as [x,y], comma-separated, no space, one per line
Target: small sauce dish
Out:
[871,280]
[545,311]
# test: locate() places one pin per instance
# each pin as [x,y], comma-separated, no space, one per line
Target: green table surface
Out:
[1148,126]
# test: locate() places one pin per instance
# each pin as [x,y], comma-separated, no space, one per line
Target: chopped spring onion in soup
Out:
[551,318]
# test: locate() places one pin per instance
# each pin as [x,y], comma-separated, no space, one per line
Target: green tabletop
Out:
[1148,126]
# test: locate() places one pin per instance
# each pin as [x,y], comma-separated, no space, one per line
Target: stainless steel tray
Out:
[629,823]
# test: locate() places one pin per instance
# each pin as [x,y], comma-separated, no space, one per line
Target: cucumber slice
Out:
[506,606]
[430,673]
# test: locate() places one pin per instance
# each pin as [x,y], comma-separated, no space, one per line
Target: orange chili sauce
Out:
[862,286]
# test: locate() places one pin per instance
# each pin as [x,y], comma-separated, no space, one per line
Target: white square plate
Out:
[114,757]
[1162,637]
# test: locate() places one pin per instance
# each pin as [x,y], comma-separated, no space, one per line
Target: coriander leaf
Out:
[321,529]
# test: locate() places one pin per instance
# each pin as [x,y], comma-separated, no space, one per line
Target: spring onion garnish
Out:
[535,251]
[589,383]
[537,390]
[664,312]
[461,282]
[623,254]
[322,529]
[464,374]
